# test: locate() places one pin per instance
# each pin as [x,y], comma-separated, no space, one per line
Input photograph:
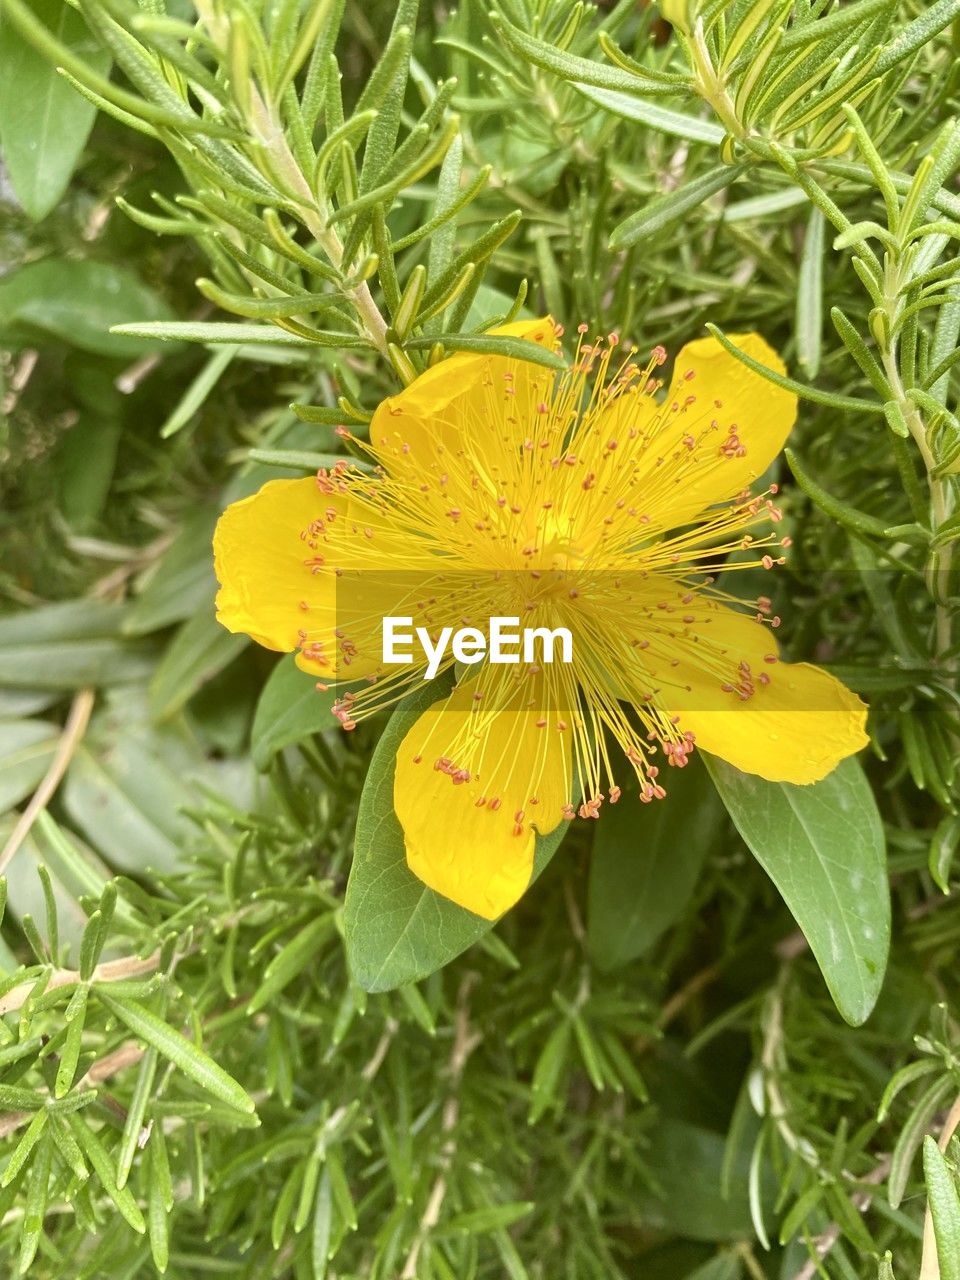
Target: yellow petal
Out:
[479,403]
[717,431]
[259,559]
[786,722]
[323,594]
[796,729]
[481,855]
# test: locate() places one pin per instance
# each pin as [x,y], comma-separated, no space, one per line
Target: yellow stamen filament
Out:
[554,506]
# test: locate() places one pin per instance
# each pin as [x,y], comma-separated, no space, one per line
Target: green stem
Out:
[940,504]
[269,131]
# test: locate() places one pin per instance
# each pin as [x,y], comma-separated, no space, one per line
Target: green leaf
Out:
[823,847]
[183,1053]
[943,850]
[291,708]
[215,331]
[916,34]
[809,309]
[645,863]
[199,650]
[67,646]
[944,1209]
[322,1221]
[73,870]
[662,210]
[812,31]
[131,779]
[291,960]
[725,1266]
[159,1203]
[886,1268]
[198,391]
[653,116]
[78,302]
[44,124]
[849,517]
[182,582]
[26,748]
[396,929]
[302,460]
[21,1152]
[24,702]
[85,461]
[481,1221]
[790,384]
[35,1206]
[488,344]
[98,1156]
[570,66]
[912,1134]
[691,1198]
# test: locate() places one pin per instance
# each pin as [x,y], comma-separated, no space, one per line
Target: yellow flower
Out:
[587,500]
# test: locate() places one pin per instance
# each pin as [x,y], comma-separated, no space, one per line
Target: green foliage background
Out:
[213,1061]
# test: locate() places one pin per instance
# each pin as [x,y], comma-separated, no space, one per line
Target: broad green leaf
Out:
[131,779]
[26,748]
[182,582]
[199,650]
[85,463]
[15,703]
[77,302]
[73,869]
[645,863]
[183,1053]
[396,929]
[127,806]
[67,646]
[291,708]
[689,1171]
[44,123]
[70,620]
[654,116]
[823,847]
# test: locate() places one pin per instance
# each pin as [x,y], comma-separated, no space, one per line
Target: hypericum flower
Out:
[586,500]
